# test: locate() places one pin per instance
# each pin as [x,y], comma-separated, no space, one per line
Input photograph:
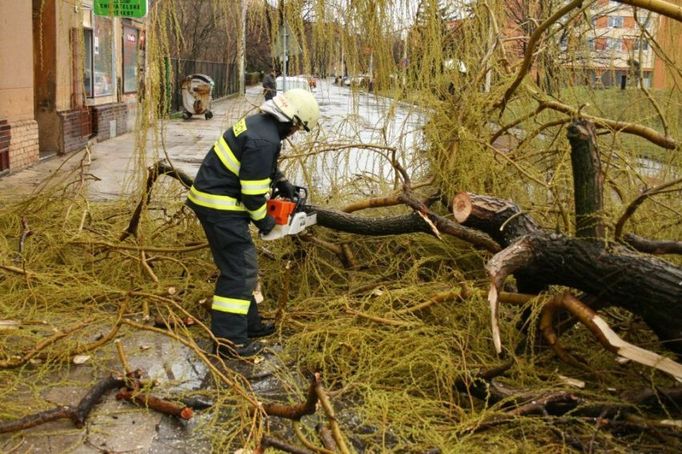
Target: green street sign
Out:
[121,8]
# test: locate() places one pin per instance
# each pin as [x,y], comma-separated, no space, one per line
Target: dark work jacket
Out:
[235,179]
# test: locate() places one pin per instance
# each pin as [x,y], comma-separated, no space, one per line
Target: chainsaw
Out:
[290,219]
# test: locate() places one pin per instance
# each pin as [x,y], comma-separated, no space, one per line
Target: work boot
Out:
[239,350]
[262,330]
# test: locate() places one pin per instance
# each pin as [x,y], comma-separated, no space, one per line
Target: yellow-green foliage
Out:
[390,371]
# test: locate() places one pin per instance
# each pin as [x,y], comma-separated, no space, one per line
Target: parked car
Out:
[292,82]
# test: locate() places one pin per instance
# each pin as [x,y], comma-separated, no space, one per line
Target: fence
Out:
[225,76]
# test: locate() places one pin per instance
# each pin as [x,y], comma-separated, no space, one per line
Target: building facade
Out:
[67,77]
[626,47]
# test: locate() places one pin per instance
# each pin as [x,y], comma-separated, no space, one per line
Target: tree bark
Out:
[587,180]
[646,286]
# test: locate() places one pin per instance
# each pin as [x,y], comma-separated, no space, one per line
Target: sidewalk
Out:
[116,426]
[114,162]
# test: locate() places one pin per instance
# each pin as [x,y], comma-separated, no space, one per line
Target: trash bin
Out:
[197,92]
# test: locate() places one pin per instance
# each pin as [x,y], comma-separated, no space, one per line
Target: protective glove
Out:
[285,189]
[265,225]
[279,231]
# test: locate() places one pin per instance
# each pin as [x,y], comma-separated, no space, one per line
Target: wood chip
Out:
[81,359]
[572,381]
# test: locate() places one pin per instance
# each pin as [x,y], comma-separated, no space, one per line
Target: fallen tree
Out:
[610,273]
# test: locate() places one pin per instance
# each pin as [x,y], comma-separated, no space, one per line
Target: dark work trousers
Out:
[235,256]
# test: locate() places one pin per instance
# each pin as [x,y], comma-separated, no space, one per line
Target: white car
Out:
[292,82]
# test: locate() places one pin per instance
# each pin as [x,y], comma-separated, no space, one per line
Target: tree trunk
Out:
[646,286]
[587,180]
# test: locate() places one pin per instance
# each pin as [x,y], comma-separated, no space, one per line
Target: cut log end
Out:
[461,206]
[186,413]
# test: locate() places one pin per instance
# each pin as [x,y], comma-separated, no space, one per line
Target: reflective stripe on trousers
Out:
[235,255]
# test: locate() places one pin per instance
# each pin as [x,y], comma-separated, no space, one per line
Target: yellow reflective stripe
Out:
[216,202]
[259,214]
[229,160]
[255,187]
[231,305]
[239,127]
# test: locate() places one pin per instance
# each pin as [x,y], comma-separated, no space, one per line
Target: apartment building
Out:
[626,45]
[67,76]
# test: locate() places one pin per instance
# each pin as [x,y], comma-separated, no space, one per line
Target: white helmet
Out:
[299,106]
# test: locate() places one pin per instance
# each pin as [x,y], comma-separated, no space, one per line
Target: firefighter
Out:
[228,193]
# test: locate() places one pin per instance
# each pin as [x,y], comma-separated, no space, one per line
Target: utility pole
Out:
[285,45]
[241,47]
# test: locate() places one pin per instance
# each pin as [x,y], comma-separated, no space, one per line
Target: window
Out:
[87,77]
[99,58]
[616,21]
[131,37]
[645,21]
[641,44]
[614,43]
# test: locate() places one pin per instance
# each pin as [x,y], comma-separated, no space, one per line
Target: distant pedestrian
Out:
[270,85]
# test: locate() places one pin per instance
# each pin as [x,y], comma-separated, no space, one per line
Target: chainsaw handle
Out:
[300,199]
[300,195]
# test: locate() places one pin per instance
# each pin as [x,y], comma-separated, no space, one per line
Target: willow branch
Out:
[329,410]
[202,356]
[374,318]
[269,442]
[657,6]
[612,342]
[121,247]
[40,346]
[25,233]
[642,131]
[530,50]
[374,202]
[160,405]
[307,443]
[13,269]
[296,412]
[515,123]
[656,247]
[632,207]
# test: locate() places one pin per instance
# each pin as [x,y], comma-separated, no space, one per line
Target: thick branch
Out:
[632,207]
[646,286]
[77,415]
[155,403]
[153,172]
[396,225]
[657,6]
[93,397]
[653,246]
[631,128]
[530,49]
[296,412]
[587,180]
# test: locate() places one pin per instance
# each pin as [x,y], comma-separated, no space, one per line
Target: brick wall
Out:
[76,129]
[102,117]
[5,137]
[23,144]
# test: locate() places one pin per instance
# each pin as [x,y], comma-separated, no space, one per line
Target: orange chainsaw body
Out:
[281,210]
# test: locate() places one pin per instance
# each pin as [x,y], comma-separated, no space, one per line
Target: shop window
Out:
[131,38]
[99,67]
[87,47]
